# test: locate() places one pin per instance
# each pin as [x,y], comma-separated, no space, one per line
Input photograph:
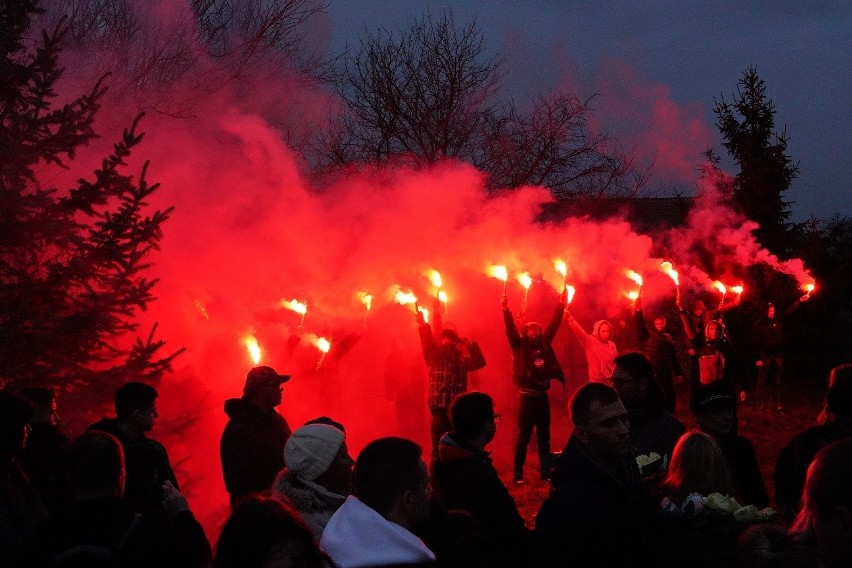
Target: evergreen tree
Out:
[73,261]
[766,170]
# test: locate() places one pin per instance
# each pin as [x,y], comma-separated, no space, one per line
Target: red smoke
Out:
[249,230]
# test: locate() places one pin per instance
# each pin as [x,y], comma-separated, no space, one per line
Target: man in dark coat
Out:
[652,428]
[464,477]
[252,446]
[535,365]
[146,460]
[797,455]
[659,347]
[597,507]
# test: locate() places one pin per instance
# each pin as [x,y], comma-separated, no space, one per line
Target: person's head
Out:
[600,421]
[770,311]
[15,415]
[264,532]
[713,407]
[602,330]
[660,323]
[827,498]
[264,387]
[838,399]
[95,465]
[473,419]
[713,330]
[632,378]
[44,400]
[318,453]
[135,405]
[698,465]
[391,479]
[531,331]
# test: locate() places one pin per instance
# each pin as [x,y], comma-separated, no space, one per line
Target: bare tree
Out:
[431,91]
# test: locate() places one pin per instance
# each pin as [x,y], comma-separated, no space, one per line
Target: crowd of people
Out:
[630,487]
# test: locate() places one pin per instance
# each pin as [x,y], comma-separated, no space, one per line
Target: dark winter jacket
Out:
[147,467]
[95,530]
[796,457]
[42,460]
[745,471]
[252,448]
[654,430]
[535,362]
[592,518]
[448,368]
[464,478]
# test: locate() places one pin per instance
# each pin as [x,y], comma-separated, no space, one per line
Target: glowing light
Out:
[498,271]
[425,313]
[738,289]
[633,295]
[719,286]
[561,267]
[253,348]
[366,299]
[809,288]
[202,309]
[435,278]
[669,270]
[525,279]
[404,297]
[295,305]
[633,275]
[442,296]
[571,291]
[323,344]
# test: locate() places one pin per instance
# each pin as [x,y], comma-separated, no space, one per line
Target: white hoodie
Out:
[358,536]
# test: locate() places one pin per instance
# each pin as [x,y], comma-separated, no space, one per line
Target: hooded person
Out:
[318,475]
[599,347]
[535,365]
[252,445]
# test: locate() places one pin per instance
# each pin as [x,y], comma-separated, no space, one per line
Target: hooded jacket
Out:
[357,536]
[464,478]
[314,502]
[600,355]
[252,447]
[535,362]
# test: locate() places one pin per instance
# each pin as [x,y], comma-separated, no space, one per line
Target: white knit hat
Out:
[311,449]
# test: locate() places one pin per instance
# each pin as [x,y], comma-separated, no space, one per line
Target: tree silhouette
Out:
[747,125]
[73,261]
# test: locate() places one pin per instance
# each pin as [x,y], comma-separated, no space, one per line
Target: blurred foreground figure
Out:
[252,445]
[535,365]
[146,460]
[827,499]
[391,495]
[264,532]
[20,505]
[797,455]
[465,478]
[318,475]
[42,456]
[597,509]
[101,530]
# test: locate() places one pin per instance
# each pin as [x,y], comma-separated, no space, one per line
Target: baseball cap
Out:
[264,376]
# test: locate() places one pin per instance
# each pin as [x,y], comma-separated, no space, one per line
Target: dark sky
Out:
[658,66]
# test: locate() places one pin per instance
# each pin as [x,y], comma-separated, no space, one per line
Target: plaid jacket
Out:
[447,377]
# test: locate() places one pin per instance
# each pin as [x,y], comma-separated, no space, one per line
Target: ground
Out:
[768,431]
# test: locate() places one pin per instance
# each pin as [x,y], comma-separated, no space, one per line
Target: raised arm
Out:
[427,340]
[555,321]
[475,359]
[579,332]
[639,320]
[511,329]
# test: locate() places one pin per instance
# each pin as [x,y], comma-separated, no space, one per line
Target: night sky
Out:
[658,67]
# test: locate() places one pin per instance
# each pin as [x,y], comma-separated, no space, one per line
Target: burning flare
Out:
[253,348]
[571,291]
[669,270]
[525,279]
[633,275]
[202,309]
[498,271]
[809,288]
[425,313]
[404,297]
[442,296]
[435,278]
[366,299]
[738,289]
[561,267]
[633,295]
[322,344]
[719,286]
[296,306]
